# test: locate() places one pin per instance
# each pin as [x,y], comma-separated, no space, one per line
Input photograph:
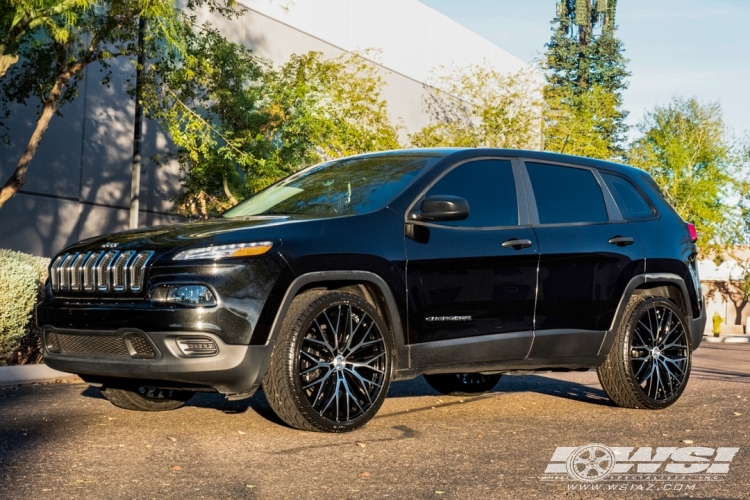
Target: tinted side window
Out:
[565,194]
[490,189]
[628,199]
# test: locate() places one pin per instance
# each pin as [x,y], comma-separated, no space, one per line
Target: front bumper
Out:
[234,370]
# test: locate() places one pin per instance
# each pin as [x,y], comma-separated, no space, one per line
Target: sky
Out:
[687,48]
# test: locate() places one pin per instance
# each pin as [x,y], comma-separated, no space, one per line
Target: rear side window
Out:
[628,199]
[490,189]
[566,194]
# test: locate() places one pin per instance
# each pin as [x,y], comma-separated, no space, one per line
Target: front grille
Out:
[92,345]
[131,345]
[110,271]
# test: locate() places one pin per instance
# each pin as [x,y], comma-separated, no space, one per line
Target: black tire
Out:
[317,363]
[649,364]
[141,398]
[462,384]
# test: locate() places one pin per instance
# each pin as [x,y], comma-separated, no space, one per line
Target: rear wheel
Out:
[462,384]
[142,398]
[649,364]
[330,369]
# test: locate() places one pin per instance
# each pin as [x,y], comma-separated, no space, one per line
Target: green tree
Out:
[684,146]
[584,55]
[576,124]
[55,53]
[210,102]
[480,107]
[240,125]
[21,18]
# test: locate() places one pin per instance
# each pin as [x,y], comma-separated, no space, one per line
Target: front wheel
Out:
[142,398]
[649,364]
[462,384]
[330,369]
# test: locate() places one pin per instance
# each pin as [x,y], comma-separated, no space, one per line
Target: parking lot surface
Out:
[66,441]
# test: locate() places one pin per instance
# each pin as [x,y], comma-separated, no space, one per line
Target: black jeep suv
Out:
[455,264]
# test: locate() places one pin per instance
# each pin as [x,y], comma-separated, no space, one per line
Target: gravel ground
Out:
[66,441]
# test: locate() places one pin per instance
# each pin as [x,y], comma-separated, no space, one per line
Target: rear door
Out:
[588,254]
[472,283]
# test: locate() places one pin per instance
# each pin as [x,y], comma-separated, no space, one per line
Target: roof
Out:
[535,155]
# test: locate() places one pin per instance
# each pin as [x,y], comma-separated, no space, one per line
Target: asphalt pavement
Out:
[66,441]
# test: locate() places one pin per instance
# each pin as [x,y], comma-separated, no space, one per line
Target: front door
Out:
[472,283]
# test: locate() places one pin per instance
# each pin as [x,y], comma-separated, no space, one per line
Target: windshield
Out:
[342,187]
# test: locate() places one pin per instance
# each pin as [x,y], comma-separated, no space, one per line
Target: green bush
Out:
[22,279]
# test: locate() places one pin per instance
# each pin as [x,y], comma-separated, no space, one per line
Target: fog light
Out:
[51,341]
[189,295]
[197,346]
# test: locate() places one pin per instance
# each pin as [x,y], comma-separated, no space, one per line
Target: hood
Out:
[216,231]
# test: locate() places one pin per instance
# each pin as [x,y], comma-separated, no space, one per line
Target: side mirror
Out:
[442,208]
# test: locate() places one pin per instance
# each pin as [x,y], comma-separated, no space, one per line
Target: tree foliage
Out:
[577,124]
[480,107]
[585,57]
[20,18]
[240,124]
[684,146]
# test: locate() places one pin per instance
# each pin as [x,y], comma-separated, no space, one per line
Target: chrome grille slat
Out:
[88,272]
[119,275]
[104,271]
[137,268]
[54,271]
[75,271]
[65,271]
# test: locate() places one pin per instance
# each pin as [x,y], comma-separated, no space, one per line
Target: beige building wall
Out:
[722,289]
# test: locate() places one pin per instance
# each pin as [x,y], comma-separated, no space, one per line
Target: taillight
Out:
[693,233]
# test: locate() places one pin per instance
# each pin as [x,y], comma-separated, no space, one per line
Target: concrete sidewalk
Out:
[30,374]
[730,338]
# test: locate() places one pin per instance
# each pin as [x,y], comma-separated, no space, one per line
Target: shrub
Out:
[22,279]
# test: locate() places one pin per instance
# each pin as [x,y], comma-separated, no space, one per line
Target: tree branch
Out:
[18,178]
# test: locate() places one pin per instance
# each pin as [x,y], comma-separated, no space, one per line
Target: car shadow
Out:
[514,384]
[417,387]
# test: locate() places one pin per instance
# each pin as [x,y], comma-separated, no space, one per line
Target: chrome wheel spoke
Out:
[350,395]
[315,367]
[318,380]
[368,363]
[310,357]
[675,363]
[362,381]
[643,365]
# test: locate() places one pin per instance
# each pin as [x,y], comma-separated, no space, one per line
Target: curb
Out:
[32,374]
[733,339]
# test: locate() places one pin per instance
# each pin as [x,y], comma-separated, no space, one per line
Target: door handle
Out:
[516,244]
[621,241]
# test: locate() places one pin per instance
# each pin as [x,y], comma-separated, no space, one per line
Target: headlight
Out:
[225,251]
[189,295]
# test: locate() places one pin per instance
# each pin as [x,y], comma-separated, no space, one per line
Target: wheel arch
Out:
[365,284]
[667,285]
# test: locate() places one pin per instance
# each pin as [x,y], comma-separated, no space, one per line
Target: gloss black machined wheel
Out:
[462,384]
[142,398]
[330,369]
[649,365]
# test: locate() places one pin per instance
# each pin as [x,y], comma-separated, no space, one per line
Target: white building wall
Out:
[412,37]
